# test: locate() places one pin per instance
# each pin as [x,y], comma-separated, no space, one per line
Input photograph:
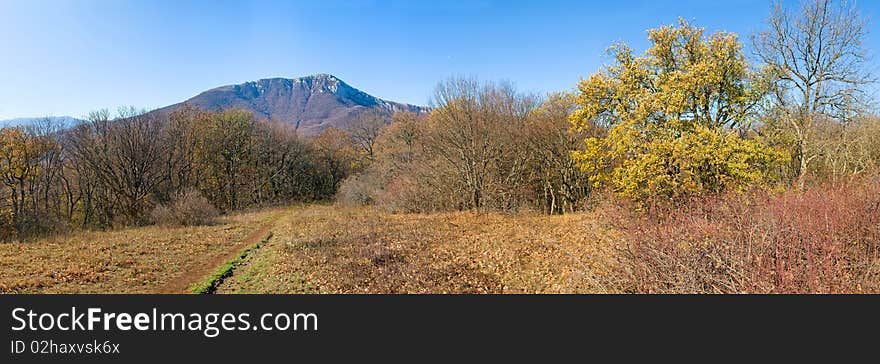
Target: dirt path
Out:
[182,283]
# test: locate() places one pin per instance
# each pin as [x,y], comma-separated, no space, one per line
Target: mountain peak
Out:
[322,76]
[311,103]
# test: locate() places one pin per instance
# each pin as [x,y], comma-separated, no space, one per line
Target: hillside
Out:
[62,120]
[312,103]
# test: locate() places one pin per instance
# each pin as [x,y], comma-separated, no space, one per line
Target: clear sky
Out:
[68,57]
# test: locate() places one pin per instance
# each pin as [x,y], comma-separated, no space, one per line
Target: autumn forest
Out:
[710,162]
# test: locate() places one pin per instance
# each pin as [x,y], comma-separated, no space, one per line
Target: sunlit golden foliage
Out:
[677,118]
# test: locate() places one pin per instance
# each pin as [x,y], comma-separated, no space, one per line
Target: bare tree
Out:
[51,165]
[179,171]
[125,157]
[474,130]
[20,153]
[365,130]
[397,142]
[551,140]
[817,55]
[226,149]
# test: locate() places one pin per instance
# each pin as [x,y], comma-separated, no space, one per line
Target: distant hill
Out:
[66,120]
[312,103]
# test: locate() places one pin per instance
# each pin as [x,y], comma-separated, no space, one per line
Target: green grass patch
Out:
[255,275]
[209,284]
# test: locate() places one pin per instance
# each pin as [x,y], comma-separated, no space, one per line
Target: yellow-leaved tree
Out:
[677,118]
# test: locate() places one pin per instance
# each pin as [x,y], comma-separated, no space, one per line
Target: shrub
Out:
[359,189]
[845,149]
[414,192]
[823,240]
[163,215]
[187,209]
[31,225]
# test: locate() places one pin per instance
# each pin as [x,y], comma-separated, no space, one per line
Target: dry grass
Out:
[330,249]
[138,260]
[822,240]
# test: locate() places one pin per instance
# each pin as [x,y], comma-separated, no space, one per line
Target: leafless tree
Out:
[817,54]
[551,140]
[471,129]
[365,130]
[124,155]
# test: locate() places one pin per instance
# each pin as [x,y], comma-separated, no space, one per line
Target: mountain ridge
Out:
[311,103]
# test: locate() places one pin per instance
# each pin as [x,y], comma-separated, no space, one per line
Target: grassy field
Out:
[820,241]
[323,249]
[328,249]
[139,260]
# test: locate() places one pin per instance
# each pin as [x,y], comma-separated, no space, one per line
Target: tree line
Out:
[695,114]
[484,146]
[112,171]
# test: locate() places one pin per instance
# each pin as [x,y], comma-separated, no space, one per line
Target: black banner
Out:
[130,328]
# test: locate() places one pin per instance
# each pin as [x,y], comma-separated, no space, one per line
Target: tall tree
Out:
[20,154]
[365,130]
[225,152]
[817,54]
[124,154]
[469,131]
[551,140]
[673,117]
[337,156]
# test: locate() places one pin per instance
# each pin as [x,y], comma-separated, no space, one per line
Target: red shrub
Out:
[823,240]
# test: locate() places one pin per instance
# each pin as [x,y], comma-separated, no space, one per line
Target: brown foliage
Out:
[112,172]
[484,147]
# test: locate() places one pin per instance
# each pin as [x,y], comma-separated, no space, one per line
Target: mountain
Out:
[312,103]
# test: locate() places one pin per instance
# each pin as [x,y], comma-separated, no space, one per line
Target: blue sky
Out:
[68,57]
